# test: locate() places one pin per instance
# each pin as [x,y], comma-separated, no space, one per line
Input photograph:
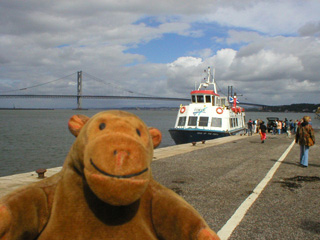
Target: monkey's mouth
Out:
[118,176]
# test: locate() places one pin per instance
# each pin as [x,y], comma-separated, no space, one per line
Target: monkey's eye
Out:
[102,126]
[138,132]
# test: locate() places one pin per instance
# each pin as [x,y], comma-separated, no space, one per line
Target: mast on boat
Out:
[209,81]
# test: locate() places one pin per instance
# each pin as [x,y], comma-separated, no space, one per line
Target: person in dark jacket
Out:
[250,124]
[305,137]
[263,131]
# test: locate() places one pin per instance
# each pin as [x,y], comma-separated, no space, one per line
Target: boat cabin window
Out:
[233,122]
[200,99]
[223,102]
[218,101]
[182,121]
[208,98]
[192,121]
[193,98]
[203,122]
[213,100]
[216,122]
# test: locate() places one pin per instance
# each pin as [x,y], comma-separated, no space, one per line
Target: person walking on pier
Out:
[285,125]
[279,127]
[274,127]
[263,131]
[305,137]
[255,122]
[250,124]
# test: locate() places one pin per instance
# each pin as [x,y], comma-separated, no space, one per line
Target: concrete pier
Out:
[244,189]
[9,183]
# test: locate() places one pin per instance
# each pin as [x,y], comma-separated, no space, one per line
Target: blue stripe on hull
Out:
[181,136]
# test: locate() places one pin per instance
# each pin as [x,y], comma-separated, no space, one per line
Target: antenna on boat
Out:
[209,80]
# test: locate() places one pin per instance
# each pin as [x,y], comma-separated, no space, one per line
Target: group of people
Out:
[253,126]
[257,126]
[285,126]
[303,130]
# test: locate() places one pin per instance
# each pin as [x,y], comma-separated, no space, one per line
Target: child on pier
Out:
[263,131]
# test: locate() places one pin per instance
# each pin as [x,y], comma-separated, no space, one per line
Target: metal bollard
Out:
[41,172]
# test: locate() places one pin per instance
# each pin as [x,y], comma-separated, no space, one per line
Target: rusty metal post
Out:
[41,172]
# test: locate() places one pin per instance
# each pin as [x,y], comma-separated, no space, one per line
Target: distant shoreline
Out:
[27,109]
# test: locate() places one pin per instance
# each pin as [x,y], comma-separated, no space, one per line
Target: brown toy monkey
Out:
[105,190]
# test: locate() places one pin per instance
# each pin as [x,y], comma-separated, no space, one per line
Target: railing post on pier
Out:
[79,90]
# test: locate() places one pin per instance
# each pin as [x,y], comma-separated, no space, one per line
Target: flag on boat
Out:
[231,100]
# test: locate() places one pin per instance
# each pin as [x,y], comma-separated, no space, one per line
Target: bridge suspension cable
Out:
[37,85]
[141,96]
[113,85]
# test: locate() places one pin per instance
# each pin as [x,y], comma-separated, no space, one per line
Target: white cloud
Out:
[184,73]
[270,17]
[45,40]
[203,53]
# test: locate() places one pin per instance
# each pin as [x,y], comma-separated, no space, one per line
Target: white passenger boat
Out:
[208,116]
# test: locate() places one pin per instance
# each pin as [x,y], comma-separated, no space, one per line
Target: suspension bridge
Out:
[79,96]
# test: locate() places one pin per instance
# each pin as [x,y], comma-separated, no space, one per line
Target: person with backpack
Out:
[305,137]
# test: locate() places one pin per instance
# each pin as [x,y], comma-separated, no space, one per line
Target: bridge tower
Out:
[230,92]
[79,90]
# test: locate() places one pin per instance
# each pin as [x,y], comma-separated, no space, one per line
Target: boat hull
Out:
[181,136]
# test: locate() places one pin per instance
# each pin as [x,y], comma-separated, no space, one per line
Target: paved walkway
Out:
[218,180]
[9,183]
[219,176]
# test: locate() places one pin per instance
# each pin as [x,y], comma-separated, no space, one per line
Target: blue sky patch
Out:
[172,46]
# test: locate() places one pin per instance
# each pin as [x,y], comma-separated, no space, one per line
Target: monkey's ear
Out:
[76,122]
[156,136]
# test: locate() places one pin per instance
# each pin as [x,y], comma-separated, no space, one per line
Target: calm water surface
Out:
[32,139]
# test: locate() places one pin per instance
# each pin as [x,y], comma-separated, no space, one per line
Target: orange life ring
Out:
[219,110]
[182,109]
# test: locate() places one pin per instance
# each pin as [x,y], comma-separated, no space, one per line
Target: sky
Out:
[268,50]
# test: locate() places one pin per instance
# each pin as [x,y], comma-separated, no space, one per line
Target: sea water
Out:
[32,139]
